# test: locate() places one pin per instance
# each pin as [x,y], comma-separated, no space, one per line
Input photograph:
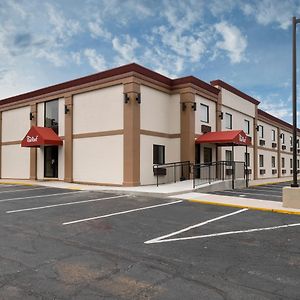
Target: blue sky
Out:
[245,43]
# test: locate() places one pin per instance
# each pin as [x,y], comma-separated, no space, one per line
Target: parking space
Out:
[271,192]
[70,244]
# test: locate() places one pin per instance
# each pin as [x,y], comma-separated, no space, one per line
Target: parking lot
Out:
[263,192]
[70,244]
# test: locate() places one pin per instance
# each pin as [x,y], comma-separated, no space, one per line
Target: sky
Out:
[244,43]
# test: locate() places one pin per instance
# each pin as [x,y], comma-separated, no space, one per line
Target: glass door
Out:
[51,162]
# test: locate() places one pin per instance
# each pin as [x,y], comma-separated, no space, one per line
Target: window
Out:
[283,138]
[204,113]
[291,140]
[298,163]
[247,159]
[273,135]
[158,154]
[228,157]
[247,126]
[228,121]
[291,163]
[261,131]
[282,162]
[261,161]
[51,115]
[273,162]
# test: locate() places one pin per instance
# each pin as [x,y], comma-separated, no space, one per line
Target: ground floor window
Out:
[273,162]
[261,161]
[282,162]
[158,154]
[247,159]
[51,162]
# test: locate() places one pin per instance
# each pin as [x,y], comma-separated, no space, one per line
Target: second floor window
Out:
[228,121]
[204,113]
[282,162]
[51,115]
[273,135]
[247,126]
[283,138]
[261,131]
[291,140]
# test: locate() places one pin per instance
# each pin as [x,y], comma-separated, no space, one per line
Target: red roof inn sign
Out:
[41,136]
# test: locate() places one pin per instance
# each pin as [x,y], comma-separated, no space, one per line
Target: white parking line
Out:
[24,190]
[222,234]
[163,237]
[40,196]
[64,204]
[246,193]
[121,212]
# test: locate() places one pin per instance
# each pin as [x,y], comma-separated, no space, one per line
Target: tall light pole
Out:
[294,184]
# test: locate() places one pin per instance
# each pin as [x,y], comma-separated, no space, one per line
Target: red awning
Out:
[41,136]
[224,138]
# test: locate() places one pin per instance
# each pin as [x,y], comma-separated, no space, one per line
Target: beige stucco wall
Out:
[172,154]
[212,114]
[15,124]
[160,112]
[15,162]
[100,110]
[268,134]
[244,106]
[267,163]
[98,159]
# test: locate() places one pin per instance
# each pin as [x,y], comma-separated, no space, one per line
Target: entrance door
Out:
[51,162]
[207,155]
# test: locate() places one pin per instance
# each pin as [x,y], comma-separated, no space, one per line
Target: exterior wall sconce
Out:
[126,98]
[221,115]
[66,109]
[194,106]
[138,98]
[31,116]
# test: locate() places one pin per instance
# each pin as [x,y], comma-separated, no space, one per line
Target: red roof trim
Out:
[40,136]
[275,119]
[234,90]
[234,137]
[110,73]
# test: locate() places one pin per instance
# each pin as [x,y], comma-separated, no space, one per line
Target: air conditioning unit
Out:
[274,171]
[291,171]
[291,149]
[262,171]
[283,147]
[262,142]
[248,171]
[160,171]
[274,145]
[283,171]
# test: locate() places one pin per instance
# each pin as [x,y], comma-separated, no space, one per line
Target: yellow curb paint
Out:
[269,183]
[17,183]
[280,211]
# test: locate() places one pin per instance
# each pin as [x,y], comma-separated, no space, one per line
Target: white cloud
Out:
[234,43]
[125,47]
[97,30]
[95,59]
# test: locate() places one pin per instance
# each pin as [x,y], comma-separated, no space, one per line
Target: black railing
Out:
[219,171]
[172,172]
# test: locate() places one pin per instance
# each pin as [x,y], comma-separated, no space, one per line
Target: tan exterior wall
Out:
[15,124]
[93,111]
[267,163]
[172,154]
[160,111]
[98,159]
[15,162]
[231,100]
[212,114]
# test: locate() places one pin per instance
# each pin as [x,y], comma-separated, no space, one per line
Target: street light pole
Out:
[294,184]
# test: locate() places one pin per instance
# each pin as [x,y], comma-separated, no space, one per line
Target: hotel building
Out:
[111,127]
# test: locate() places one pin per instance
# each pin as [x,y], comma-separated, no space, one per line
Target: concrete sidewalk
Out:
[265,205]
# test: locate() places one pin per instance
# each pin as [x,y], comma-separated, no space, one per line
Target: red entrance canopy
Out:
[41,136]
[225,138]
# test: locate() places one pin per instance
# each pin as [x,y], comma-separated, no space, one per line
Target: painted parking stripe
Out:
[24,190]
[163,237]
[222,233]
[64,204]
[40,196]
[121,212]
[242,192]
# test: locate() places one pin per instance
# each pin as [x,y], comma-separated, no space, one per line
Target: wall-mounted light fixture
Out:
[194,106]
[31,116]
[126,98]
[66,109]
[138,98]
[221,115]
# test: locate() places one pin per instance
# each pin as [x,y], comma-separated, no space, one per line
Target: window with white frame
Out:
[247,159]
[261,131]
[158,154]
[204,113]
[228,121]
[291,163]
[283,138]
[273,162]
[282,162]
[261,161]
[247,126]
[273,135]
[291,140]
[228,155]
